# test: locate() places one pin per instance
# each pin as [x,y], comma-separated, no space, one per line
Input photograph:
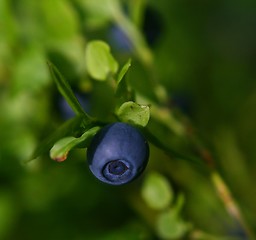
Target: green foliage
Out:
[70,127]
[170,226]
[191,90]
[134,114]
[67,92]
[123,71]
[156,191]
[61,148]
[100,63]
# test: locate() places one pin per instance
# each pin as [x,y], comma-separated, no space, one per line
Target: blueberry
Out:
[152,28]
[117,154]
[119,40]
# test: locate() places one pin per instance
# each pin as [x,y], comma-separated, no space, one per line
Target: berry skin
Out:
[117,154]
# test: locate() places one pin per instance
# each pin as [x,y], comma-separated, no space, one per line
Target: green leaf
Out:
[156,191]
[99,61]
[169,225]
[134,113]
[179,203]
[123,93]
[66,91]
[123,71]
[61,148]
[70,127]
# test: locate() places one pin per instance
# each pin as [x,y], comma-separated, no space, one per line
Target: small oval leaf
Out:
[99,61]
[156,191]
[70,127]
[133,113]
[169,225]
[61,148]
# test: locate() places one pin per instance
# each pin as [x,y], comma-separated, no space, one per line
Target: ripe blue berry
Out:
[118,153]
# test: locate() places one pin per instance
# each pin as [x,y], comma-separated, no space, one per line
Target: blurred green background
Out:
[203,53]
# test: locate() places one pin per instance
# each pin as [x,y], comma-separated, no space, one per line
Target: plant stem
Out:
[221,187]
[229,202]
